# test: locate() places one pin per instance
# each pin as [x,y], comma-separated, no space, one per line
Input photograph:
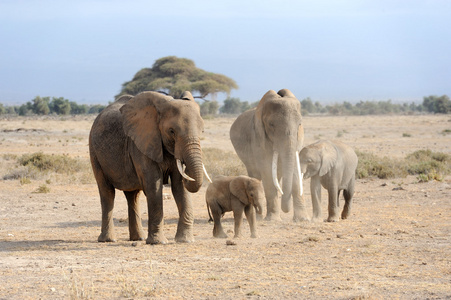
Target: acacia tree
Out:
[174,75]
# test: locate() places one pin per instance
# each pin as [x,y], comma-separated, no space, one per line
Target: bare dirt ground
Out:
[395,245]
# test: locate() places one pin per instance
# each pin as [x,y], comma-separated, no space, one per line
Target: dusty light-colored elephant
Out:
[267,139]
[331,164]
[138,143]
[237,194]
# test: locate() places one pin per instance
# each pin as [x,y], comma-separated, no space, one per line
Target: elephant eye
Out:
[171,131]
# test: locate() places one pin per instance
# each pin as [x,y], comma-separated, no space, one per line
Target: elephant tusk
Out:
[180,168]
[301,176]
[206,174]
[275,158]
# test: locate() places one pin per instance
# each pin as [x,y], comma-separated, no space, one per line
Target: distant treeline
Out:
[61,106]
[48,106]
[431,104]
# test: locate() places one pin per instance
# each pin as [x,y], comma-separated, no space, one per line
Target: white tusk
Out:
[275,158]
[298,166]
[180,168]
[206,174]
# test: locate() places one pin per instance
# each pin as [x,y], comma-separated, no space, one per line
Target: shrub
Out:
[220,162]
[371,165]
[56,163]
[430,165]
[426,164]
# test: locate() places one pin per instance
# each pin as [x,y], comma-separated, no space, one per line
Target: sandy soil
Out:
[395,245]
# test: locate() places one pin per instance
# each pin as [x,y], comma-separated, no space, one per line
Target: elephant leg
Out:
[300,212]
[154,193]
[186,215]
[216,213]
[107,194]
[272,200]
[251,219]
[238,209]
[134,216]
[348,194]
[315,191]
[333,204]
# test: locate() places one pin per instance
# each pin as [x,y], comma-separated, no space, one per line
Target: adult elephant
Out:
[138,143]
[267,139]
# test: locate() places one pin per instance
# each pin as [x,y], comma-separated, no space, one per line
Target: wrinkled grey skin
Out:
[331,164]
[237,194]
[133,145]
[274,125]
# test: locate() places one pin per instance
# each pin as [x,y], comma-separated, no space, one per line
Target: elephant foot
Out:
[259,217]
[221,235]
[237,236]
[184,238]
[300,219]
[344,215]
[273,217]
[154,239]
[254,235]
[332,219]
[106,238]
[137,237]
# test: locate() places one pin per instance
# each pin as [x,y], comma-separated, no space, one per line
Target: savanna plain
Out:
[395,245]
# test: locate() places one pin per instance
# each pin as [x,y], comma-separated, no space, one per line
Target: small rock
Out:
[73,204]
[384,184]
[134,244]
[230,243]
[399,188]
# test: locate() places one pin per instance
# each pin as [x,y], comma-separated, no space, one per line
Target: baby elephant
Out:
[332,165]
[237,194]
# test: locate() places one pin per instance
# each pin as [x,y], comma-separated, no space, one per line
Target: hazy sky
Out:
[330,51]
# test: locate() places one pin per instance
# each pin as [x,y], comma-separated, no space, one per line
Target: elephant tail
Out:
[209,214]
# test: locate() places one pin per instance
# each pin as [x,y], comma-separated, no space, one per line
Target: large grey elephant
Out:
[267,139]
[138,143]
[237,194]
[331,164]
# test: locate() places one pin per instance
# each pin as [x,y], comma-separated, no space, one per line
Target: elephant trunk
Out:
[192,158]
[288,167]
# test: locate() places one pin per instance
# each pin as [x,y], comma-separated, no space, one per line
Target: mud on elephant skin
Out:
[237,194]
[267,139]
[331,164]
[138,143]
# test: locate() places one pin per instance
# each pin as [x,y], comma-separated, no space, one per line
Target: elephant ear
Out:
[329,158]
[140,117]
[258,118]
[238,188]
[285,93]
[187,96]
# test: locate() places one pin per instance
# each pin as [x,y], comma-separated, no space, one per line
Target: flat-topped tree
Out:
[174,75]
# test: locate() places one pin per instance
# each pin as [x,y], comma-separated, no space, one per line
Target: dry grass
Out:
[395,245]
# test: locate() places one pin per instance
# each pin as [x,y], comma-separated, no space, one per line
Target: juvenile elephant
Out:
[267,139]
[237,194]
[138,143]
[332,165]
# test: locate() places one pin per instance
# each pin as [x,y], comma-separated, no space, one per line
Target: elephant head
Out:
[278,127]
[160,125]
[318,158]
[249,191]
